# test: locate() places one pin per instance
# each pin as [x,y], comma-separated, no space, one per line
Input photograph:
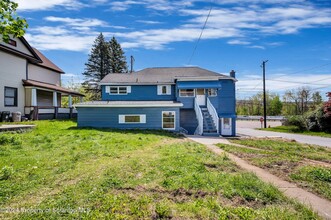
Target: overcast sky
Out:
[294,35]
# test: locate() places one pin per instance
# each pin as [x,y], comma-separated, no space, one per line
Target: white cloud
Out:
[86,22]
[41,5]
[149,22]
[238,42]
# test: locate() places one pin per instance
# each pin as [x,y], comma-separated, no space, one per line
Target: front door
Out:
[226,129]
[201,97]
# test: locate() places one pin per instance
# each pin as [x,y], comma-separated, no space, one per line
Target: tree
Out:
[97,66]
[275,106]
[118,60]
[317,99]
[10,23]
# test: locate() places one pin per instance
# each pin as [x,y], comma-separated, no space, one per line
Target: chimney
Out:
[233,74]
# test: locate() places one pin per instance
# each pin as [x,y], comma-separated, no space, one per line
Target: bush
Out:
[296,120]
[312,121]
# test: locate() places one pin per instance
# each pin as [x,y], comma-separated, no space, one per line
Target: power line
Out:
[203,28]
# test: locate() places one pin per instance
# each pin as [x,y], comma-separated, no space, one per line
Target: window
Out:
[226,123]
[10,96]
[186,93]
[12,42]
[168,120]
[164,89]
[131,119]
[118,90]
[212,92]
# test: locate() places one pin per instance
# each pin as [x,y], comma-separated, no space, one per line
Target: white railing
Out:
[198,113]
[212,111]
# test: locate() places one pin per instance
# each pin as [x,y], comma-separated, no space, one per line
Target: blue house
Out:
[188,99]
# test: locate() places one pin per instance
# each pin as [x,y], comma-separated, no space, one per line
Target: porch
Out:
[46,101]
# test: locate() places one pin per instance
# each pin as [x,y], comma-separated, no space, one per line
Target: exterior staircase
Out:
[209,127]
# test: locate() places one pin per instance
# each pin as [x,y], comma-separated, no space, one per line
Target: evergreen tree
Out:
[97,66]
[118,59]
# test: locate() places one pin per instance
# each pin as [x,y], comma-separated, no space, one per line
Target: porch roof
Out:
[198,84]
[50,87]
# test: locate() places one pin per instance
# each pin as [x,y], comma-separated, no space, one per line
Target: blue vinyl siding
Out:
[139,93]
[226,98]
[102,117]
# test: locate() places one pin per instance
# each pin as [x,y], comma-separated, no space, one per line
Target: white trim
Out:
[142,119]
[160,87]
[111,105]
[210,90]
[204,78]
[118,90]
[194,93]
[174,113]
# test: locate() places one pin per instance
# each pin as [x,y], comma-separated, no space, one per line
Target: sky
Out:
[293,35]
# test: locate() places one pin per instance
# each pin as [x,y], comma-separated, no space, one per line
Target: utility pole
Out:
[264,96]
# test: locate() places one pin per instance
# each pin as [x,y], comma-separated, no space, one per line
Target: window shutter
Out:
[121,119]
[128,89]
[159,90]
[168,89]
[142,118]
[107,89]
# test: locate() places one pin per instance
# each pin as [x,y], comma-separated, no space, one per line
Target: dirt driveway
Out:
[256,124]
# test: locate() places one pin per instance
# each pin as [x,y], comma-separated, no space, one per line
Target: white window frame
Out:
[121,119]
[186,96]
[160,89]
[174,113]
[109,88]
[210,92]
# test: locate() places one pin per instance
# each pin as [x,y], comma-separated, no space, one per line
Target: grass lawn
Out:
[295,130]
[308,166]
[58,171]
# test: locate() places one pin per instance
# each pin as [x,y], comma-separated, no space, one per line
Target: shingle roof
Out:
[160,75]
[46,62]
[50,86]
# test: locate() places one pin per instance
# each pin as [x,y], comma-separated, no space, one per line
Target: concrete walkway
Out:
[14,127]
[305,139]
[320,205]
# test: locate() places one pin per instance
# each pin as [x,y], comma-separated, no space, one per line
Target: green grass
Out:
[57,171]
[308,166]
[296,130]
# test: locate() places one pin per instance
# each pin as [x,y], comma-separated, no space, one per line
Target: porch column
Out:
[33,97]
[70,105]
[55,104]
[34,104]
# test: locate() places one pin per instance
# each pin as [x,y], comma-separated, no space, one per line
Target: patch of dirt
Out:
[315,162]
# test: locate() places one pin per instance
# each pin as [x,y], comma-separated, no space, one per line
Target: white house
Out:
[30,83]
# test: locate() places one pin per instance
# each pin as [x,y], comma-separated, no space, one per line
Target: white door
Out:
[226,127]
[201,96]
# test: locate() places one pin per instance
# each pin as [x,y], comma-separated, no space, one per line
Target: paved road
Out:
[298,137]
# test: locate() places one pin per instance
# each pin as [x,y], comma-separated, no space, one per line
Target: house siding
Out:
[108,117]
[12,71]
[139,93]
[41,74]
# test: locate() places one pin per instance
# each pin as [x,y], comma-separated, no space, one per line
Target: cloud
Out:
[41,5]
[149,22]
[238,42]
[86,22]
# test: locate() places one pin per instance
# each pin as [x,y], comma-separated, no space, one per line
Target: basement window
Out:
[132,119]
[168,120]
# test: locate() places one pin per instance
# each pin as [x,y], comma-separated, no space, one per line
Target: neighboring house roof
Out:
[119,104]
[46,62]
[34,58]
[162,75]
[50,87]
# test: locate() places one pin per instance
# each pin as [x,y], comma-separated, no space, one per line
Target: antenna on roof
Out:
[132,61]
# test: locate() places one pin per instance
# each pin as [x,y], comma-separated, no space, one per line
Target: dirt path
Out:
[318,204]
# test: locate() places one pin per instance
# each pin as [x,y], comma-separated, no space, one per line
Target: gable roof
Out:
[46,62]
[34,58]
[162,75]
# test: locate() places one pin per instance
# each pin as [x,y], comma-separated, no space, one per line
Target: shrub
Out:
[296,120]
[312,120]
